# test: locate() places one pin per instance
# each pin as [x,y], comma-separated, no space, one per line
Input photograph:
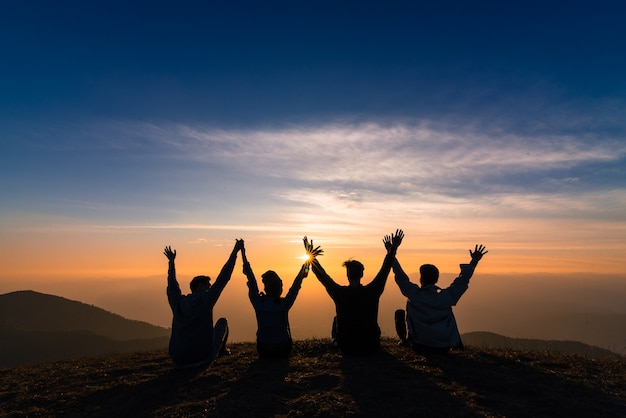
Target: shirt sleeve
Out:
[293,290]
[173,288]
[224,276]
[323,277]
[253,286]
[454,292]
[381,278]
[402,279]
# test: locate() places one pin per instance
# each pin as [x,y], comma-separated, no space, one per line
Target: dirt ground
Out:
[317,381]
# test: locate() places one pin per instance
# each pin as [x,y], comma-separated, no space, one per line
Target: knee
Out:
[221,326]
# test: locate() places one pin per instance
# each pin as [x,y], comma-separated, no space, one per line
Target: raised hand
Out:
[314,252]
[238,245]
[392,242]
[169,253]
[397,238]
[304,271]
[310,250]
[387,242]
[478,253]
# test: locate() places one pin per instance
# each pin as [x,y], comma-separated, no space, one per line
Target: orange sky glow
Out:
[124,270]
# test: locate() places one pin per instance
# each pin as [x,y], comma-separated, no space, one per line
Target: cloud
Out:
[348,173]
[374,145]
[397,158]
[379,156]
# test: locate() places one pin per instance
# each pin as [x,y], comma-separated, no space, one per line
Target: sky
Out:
[128,126]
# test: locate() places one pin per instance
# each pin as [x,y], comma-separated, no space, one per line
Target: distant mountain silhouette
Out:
[32,311]
[493,340]
[574,307]
[38,327]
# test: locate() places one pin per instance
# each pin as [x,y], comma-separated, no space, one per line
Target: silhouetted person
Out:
[273,335]
[431,323]
[194,341]
[355,328]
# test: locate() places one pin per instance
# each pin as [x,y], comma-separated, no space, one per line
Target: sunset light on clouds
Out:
[128,128]
[346,184]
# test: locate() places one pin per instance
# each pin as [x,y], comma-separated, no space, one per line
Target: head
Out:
[200,284]
[429,274]
[354,271]
[273,284]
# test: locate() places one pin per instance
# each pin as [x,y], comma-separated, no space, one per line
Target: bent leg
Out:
[333,333]
[220,337]
[400,321]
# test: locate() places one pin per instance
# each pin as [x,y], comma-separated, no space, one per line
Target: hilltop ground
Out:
[318,381]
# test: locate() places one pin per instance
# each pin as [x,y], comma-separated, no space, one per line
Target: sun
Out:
[305,257]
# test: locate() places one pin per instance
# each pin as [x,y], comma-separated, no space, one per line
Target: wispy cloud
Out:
[343,173]
[352,161]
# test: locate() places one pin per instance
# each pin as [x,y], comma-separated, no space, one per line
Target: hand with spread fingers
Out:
[311,251]
[169,253]
[477,254]
[392,242]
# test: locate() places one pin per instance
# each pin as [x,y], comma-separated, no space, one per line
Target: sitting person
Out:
[432,327]
[355,328]
[273,335]
[194,341]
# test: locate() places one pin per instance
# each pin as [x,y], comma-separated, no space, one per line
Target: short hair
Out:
[429,274]
[272,282]
[354,269]
[197,281]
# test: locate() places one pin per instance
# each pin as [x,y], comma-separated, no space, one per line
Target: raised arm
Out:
[317,268]
[391,242]
[459,285]
[227,270]
[398,271]
[290,298]
[173,288]
[322,276]
[253,287]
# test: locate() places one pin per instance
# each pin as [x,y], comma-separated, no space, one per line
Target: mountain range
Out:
[37,327]
[497,341]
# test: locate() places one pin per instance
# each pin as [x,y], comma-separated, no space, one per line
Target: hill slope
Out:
[32,311]
[318,381]
[36,327]
[493,340]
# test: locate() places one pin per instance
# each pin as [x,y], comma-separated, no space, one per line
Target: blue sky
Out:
[460,121]
[241,65]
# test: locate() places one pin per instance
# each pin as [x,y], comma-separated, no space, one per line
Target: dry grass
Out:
[318,381]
